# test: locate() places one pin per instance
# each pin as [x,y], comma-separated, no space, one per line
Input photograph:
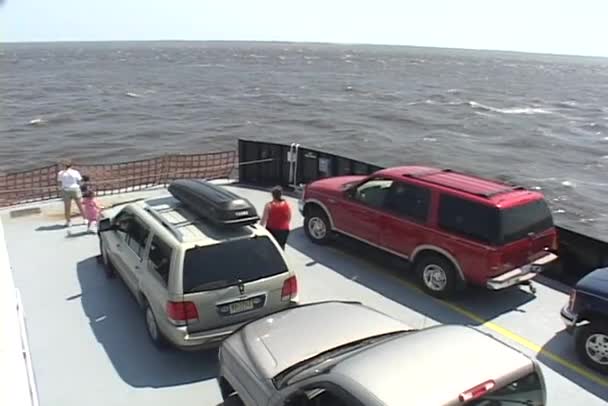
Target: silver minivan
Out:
[196,281]
[347,354]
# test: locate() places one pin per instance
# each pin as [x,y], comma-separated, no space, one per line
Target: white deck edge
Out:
[17,382]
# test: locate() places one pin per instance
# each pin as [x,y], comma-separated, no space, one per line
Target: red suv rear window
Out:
[490,225]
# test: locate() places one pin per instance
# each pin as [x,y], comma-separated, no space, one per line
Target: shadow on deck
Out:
[117,322]
[353,260]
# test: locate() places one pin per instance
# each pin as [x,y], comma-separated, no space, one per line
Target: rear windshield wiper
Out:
[282,377]
[512,401]
[224,283]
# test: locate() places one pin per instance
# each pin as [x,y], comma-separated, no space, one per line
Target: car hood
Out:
[336,183]
[595,282]
[276,342]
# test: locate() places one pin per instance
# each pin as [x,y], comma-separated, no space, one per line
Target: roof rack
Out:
[427,172]
[506,189]
[171,227]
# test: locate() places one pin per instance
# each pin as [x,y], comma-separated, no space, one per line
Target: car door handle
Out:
[117,245]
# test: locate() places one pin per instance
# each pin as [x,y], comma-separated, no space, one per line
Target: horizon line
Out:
[308,42]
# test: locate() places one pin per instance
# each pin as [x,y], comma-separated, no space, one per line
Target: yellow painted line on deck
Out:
[516,338]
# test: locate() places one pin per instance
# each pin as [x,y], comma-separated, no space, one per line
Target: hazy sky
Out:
[557,26]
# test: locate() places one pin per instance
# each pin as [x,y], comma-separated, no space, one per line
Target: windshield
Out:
[524,391]
[285,377]
[220,265]
[517,222]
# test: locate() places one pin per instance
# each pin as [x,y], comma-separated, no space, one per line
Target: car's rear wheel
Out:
[105,259]
[233,400]
[437,275]
[317,226]
[152,326]
[592,345]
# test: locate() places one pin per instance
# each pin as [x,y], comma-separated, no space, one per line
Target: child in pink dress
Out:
[92,209]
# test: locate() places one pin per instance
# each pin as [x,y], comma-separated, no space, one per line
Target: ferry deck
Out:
[88,344]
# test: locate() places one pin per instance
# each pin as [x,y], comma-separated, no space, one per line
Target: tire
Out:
[152,328]
[437,275]
[592,345]
[105,260]
[317,226]
[233,400]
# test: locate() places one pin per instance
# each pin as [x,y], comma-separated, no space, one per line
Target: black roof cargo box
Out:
[214,203]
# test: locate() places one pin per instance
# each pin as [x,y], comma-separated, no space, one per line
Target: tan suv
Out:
[197,280]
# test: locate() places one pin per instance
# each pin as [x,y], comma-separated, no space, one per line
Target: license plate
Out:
[239,307]
[242,213]
[532,268]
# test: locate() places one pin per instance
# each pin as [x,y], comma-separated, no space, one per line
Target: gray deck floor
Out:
[89,344]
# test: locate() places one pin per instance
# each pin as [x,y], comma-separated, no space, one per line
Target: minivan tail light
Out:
[182,313]
[290,288]
[476,391]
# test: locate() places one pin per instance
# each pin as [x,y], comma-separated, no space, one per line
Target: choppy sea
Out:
[539,120]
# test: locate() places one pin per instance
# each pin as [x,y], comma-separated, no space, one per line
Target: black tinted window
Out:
[517,222]
[137,234]
[408,201]
[468,219]
[525,391]
[159,259]
[219,265]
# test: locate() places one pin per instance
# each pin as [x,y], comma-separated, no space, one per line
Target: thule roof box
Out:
[214,203]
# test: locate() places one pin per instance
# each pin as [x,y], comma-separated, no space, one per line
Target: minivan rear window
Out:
[224,264]
[524,391]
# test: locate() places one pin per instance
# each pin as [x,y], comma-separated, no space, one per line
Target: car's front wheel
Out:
[317,226]
[592,345]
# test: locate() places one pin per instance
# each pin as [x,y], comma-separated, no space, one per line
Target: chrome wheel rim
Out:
[151,323]
[317,228]
[596,347]
[434,277]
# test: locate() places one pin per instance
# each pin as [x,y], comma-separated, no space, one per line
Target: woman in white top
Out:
[69,179]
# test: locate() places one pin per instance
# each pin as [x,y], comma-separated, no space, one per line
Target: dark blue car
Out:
[586,317]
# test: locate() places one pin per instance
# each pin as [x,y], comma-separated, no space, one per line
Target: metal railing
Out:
[112,178]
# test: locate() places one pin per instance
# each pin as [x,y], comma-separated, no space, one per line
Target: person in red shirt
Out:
[277,216]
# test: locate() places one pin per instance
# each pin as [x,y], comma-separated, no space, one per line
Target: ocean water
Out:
[538,120]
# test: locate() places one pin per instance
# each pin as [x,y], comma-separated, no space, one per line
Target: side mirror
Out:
[105,225]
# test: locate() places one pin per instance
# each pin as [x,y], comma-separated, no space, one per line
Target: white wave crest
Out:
[512,110]
[37,121]
[131,94]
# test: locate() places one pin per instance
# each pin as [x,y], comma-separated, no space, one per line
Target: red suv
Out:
[456,229]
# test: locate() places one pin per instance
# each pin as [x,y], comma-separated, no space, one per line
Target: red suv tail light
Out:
[181,313]
[290,288]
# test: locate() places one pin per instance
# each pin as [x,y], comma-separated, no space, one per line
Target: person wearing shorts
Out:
[69,181]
